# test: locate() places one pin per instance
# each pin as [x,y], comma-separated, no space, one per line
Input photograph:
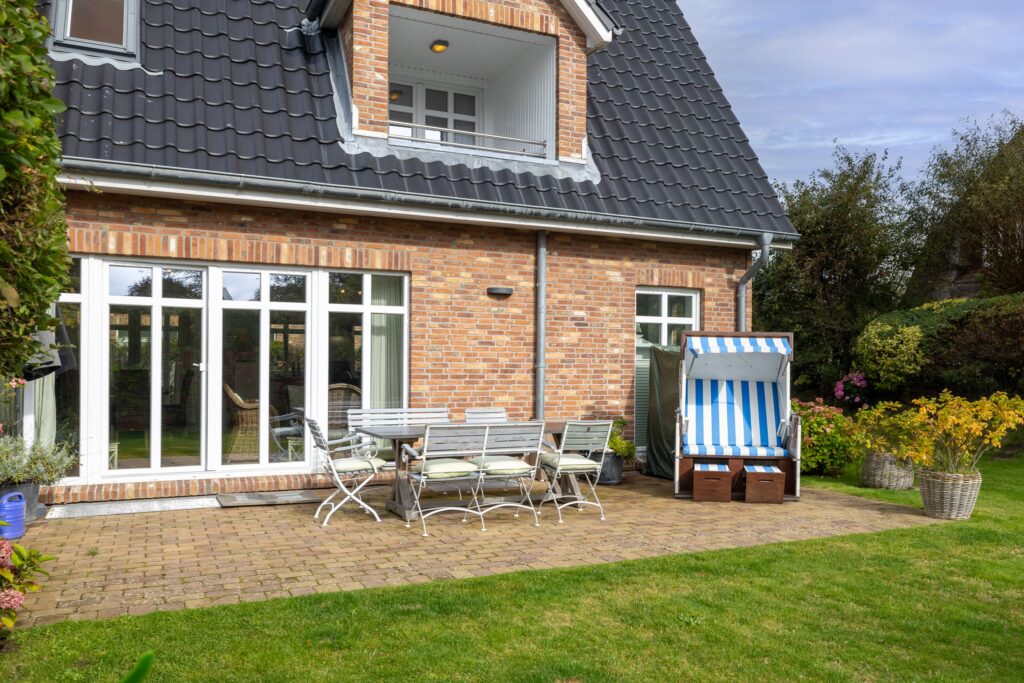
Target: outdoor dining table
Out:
[401,500]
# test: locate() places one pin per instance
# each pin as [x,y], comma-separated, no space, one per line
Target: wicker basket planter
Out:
[949,496]
[883,471]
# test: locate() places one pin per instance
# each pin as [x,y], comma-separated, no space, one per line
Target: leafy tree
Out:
[971,202]
[33,242]
[851,263]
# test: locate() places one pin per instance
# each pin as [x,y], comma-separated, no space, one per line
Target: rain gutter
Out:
[741,289]
[164,181]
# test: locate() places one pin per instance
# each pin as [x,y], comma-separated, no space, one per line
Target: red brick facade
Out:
[466,348]
[364,35]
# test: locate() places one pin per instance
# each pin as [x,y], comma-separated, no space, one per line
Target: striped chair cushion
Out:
[732,418]
[762,469]
[710,467]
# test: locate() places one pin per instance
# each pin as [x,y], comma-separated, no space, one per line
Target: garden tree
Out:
[851,263]
[971,202]
[33,243]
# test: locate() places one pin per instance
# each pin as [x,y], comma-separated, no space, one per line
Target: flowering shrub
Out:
[18,568]
[963,431]
[851,388]
[897,430]
[829,440]
[890,354]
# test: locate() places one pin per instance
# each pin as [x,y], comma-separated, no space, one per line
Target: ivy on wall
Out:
[33,242]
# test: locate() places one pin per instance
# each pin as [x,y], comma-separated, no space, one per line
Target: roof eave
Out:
[137,179]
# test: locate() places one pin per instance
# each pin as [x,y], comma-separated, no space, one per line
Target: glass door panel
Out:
[181,387]
[287,374]
[345,368]
[240,357]
[386,345]
[129,392]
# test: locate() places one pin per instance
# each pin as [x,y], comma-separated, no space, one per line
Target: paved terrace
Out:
[138,563]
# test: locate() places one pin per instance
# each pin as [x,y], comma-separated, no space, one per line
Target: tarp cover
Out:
[661,428]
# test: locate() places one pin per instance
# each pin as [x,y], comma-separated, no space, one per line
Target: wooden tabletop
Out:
[412,432]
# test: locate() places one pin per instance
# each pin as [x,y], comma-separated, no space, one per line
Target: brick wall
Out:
[466,349]
[366,29]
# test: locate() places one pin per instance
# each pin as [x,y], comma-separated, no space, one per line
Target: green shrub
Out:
[33,239]
[973,347]
[619,444]
[829,439]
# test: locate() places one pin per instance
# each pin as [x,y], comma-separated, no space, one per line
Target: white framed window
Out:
[101,25]
[662,315]
[437,112]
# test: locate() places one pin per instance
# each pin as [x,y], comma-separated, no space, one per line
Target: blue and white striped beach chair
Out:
[734,405]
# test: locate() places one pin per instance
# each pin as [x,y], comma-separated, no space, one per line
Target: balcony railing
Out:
[467,139]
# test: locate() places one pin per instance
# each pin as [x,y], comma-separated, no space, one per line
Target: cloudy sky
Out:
[896,74]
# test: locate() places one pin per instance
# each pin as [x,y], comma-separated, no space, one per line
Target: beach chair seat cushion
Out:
[736,451]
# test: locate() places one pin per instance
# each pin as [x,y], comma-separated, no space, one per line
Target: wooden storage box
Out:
[712,483]
[765,484]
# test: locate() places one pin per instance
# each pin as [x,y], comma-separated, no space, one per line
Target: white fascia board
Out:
[190,192]
[598,35]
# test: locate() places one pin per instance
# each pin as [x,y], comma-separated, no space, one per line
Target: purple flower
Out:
[11,599]
[840,390]
[6,549]
[856,399]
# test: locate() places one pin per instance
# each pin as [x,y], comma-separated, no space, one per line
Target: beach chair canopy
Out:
[735,395]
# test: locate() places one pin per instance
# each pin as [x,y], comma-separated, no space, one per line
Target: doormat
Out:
[237,500]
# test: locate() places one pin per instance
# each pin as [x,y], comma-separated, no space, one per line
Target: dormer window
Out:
[490,89]
[100,25]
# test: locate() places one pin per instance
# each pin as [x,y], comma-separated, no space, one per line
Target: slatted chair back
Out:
[453,440]
[733,417]
[485,416]
[396,417]
[586,436]
[514,438]
[320,443]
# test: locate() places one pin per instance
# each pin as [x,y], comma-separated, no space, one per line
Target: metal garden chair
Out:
[485,416]
[357,468]
[579,440]
[441,462]
[503,460]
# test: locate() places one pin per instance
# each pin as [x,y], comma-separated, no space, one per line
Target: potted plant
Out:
[963,431]
[895,443]
[18,568]
[623,450]
[26,468]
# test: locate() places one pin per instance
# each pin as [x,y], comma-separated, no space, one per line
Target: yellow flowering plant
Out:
[892,428]
[963,431]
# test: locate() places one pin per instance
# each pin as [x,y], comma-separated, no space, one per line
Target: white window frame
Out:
[129,33]
[665,320]
[420,112]
[93,361]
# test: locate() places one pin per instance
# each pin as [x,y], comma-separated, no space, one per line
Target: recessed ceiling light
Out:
[439,46]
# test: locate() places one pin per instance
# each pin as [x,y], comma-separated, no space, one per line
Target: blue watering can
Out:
[12,511]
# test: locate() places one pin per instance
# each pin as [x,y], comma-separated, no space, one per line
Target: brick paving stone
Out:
[196,558]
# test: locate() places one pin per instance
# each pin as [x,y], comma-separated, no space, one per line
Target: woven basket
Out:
[883,471]
[949,496]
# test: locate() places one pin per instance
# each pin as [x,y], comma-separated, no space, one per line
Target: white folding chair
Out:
[580,440]
[441,462]
[357,468]
[504,459]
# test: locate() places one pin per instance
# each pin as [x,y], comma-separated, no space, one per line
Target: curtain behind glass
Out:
[386,360]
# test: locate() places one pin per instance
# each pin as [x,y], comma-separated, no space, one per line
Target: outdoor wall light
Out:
[395,95]
[439,46]
[499,292]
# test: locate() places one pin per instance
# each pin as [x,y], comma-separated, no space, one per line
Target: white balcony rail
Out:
[450,137]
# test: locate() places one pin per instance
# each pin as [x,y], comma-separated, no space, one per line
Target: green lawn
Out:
[944,602]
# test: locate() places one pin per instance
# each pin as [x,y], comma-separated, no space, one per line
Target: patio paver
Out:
[133,564]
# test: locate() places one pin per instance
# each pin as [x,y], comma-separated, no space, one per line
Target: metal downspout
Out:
[542,286]
[741,289]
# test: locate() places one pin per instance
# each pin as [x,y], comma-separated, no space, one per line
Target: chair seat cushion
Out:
[349,465]
[503,464]
[736,451]
[570,462]
[444,468]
